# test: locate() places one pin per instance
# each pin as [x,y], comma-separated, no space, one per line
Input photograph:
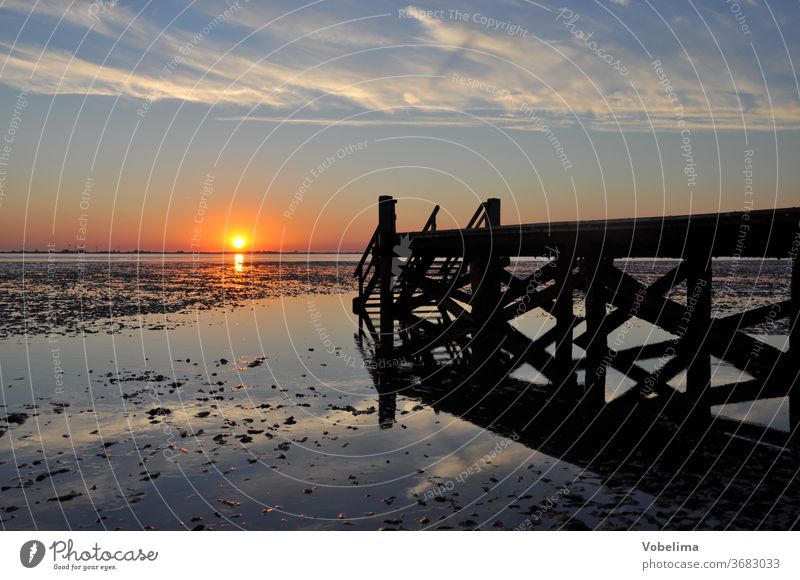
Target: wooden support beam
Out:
[442,295]
[771,232]
[420,265]
[532,352]
[656,381]
[484,271]
[774,311]
[597,348]
[625,290]
[743,391]
[624,313]
[434,290]
[385,253]
[408,283]
[539,299]
[794,353]
[563,312]
[367,320]
[648,351]
[695,345]
[669,280]
[519,287]
[742,350]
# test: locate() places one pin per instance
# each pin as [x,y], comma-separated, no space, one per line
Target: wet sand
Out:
[264,415]
[212,424]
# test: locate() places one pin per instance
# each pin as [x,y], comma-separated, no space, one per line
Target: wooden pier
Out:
[458,287]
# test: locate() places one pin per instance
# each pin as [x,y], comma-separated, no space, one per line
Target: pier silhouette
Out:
[437,312]
[454,292]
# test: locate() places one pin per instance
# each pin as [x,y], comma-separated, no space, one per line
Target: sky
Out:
[164,126]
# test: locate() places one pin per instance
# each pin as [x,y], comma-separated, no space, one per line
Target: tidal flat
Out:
[264,412]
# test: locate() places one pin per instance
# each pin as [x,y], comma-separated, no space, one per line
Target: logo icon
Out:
[31,553]
[401,250]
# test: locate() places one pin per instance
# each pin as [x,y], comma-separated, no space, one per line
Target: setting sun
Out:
[238,242]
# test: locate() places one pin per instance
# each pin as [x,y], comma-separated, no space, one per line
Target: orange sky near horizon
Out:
[111,146]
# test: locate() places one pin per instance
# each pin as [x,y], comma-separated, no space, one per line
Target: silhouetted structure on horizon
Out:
[455,291]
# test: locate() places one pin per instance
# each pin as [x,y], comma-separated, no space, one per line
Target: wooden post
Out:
[493,212]
[595,383]
[698,304]
[385,253]
[484,272]
[563,312]
[794,353]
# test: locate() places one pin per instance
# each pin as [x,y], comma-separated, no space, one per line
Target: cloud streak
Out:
[336,65]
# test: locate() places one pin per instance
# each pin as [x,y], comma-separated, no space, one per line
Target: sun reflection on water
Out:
[238,262]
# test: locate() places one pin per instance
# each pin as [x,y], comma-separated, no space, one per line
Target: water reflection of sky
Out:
[348,463]
[292,371]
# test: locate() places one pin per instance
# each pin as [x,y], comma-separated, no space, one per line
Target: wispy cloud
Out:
[335,65]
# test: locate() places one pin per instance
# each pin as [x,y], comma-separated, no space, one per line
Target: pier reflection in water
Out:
[738,474]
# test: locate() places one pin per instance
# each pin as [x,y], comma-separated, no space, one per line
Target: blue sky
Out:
[564,110]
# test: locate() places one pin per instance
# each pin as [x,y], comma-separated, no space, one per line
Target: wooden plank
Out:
[597,348]
[698,312]
[770,233]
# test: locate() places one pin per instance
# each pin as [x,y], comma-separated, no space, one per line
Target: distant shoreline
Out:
[179,253]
